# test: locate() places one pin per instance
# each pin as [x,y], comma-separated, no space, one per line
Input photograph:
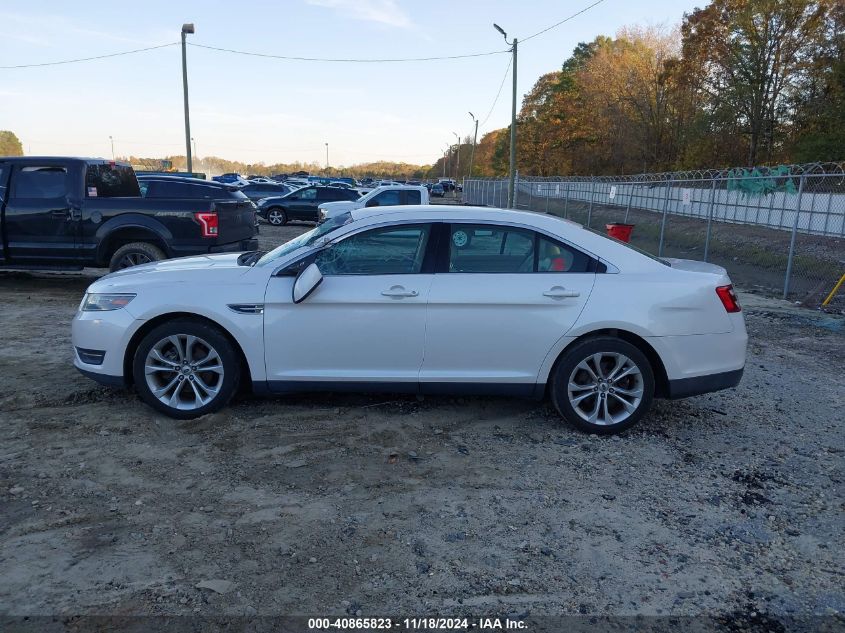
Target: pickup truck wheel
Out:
[135,253]
[277,216]
[185,368]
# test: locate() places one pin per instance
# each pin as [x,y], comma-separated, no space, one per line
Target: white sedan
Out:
[420,299]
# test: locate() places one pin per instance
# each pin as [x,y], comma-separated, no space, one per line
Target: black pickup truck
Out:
[78,212]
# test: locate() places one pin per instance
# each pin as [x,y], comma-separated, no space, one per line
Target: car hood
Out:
[169,271]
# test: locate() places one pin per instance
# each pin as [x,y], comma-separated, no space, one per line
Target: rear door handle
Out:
[397,292]
[559,292]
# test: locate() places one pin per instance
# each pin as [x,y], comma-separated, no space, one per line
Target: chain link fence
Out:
[780,233]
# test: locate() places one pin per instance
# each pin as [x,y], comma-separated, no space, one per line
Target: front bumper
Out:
[103,332]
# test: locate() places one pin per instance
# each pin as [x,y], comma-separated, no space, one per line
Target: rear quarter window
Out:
[106,180]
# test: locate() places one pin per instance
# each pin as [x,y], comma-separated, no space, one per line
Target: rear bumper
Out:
[686,387]
[189,250]
[249,244]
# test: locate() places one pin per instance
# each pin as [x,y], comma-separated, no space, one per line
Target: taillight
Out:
[208,222]
[728,297]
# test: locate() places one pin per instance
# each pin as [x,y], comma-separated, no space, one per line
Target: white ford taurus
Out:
[421,299]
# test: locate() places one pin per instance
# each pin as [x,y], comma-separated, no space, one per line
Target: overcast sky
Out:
[255,109]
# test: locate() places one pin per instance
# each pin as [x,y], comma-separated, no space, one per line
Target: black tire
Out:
[613,394]
[209,338]
[134,254]
[277,216]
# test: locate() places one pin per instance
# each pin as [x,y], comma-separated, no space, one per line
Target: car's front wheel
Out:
[277,217]
[186,368]
[602,385]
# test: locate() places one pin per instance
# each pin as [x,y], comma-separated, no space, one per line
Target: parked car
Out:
[447,183]
[434,300]
[341,184]
[180,187]
[257,191]
[76,212]
[261,180]
[437,190]
[380,197]
[301,204]
[230,178]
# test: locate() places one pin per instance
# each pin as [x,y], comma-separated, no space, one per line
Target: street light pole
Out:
[111,140]
[196,153]
[327,158]
[512,166]
[474,141]
[186,30]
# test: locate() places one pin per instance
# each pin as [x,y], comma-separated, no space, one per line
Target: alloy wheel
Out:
[605,388]
[133,259]
[184,372]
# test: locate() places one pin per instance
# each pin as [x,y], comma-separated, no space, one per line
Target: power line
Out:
[344,60]
[554,26]
[502,85]
[88,59]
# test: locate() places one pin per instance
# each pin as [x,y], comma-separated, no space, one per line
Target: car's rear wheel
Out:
[602,385]
[185,368]
[277,217]
[134,254]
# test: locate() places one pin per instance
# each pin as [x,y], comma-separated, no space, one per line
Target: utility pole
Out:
[474,141]
[112,146]
[512,167]
[327,159]
[186,30]
[457,163]
[196,154]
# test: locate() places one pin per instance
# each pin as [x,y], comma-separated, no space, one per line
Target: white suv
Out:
[383,196]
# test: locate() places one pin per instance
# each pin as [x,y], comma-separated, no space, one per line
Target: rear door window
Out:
[35,182]
[412,196]
[478,248]
[107,180]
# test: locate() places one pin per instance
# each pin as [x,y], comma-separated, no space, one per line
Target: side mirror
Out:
[372,203]
[306,283]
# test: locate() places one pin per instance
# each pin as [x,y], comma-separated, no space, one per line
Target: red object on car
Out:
[620,231]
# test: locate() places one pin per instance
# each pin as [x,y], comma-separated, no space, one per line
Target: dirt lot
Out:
[332,504]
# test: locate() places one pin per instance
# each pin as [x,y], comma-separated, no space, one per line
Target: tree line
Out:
[738,83]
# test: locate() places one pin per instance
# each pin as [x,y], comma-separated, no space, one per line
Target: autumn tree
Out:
[10,145]
[748,56]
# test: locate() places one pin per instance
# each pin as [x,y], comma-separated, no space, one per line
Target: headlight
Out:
[95,302]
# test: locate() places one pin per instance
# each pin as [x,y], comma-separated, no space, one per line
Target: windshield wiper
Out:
[249,258]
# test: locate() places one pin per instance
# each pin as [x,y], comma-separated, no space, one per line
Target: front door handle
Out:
[398,292]
[559,292]
[60,214]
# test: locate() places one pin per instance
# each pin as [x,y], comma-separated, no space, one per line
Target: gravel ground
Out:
[338,504]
